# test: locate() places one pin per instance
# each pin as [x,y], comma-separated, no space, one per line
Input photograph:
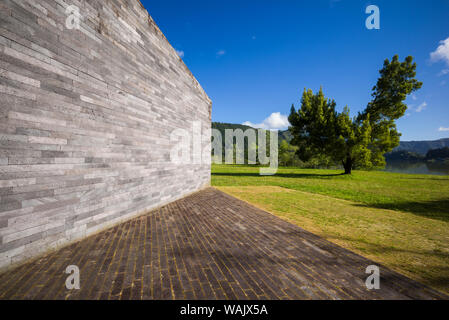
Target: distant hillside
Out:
[402,155]
[419,147]
[223,126]
[285,135]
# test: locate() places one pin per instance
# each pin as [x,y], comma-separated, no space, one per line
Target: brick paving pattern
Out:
[206,246]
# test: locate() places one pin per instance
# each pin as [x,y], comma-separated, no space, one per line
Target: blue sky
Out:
[254,58]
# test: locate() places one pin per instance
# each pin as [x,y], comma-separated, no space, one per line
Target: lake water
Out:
[435,168]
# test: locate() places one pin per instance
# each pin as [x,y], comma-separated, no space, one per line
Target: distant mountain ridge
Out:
[420,147]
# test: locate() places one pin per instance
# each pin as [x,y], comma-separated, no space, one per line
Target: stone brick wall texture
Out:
[85,121]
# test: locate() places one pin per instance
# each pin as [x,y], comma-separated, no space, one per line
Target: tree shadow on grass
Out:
[434,178]
[435,209]
[279,175]
[377,248]
[439,282]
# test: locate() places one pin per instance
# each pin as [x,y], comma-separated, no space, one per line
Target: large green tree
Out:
[362,141]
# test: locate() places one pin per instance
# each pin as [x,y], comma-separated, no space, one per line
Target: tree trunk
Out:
[348,165]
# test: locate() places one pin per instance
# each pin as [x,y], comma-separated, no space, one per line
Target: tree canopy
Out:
[318,128]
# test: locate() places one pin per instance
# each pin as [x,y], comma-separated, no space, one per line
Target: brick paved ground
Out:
[206,246]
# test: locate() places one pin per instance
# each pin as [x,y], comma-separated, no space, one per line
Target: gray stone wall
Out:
[85,121]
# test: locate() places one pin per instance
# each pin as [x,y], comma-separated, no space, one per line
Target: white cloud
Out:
[221,53]
[180,53]
[441,129]
[414,97]
[441,53]
[421,107]
[276,121]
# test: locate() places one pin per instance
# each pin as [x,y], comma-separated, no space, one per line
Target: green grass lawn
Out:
[399,220]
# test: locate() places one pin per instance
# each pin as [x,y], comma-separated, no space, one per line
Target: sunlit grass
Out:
[399,220]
